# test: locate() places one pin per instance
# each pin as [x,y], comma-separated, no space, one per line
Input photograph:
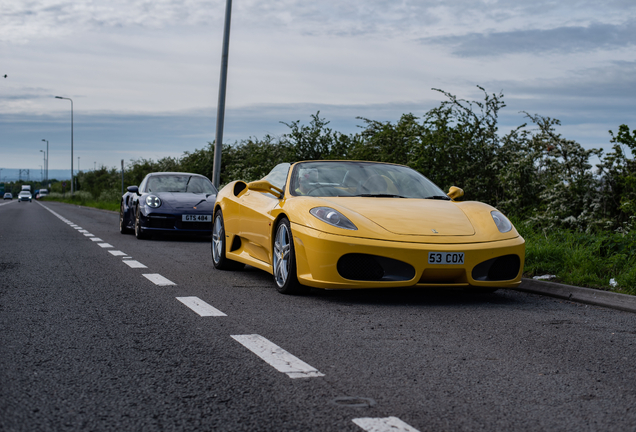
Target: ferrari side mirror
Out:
[265,186]
[454,192]
[133,189]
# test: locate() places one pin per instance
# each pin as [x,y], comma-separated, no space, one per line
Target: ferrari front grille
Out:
[365,267]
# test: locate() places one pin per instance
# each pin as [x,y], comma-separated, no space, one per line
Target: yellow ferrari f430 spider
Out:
[354,224]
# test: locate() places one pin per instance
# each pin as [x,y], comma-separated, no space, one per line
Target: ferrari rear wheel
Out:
[219,259]
[138,232]
[284,261]
[122,222]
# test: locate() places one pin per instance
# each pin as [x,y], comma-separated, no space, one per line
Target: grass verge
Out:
[83,200]
[580,259]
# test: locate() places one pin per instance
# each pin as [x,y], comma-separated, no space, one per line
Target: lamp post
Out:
[46,168]
[43,163]
[60,97]
[220,112]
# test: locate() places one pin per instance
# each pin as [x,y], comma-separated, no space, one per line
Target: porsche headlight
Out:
[153,201]
[502,222]
[332,217]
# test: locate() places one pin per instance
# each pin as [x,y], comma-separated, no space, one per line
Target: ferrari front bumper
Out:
[318,255]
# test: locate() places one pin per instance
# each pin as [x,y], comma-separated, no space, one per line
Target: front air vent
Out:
[365,267]
[497,269]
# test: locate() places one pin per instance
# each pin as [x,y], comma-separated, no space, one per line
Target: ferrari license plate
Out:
[452,258]
[196,218]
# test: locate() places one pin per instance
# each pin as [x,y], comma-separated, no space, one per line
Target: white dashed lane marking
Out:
[117,253]
[104,245]
[157,279]
[96,239]
[200,307]
[134,264]
[277,357]
[386,424]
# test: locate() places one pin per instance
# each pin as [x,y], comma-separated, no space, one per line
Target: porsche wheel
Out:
[284,261]
[138,232]
[218,246]
[122,221]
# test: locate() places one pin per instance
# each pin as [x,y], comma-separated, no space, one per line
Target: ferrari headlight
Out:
[153,201]
[332,217]
[502,222]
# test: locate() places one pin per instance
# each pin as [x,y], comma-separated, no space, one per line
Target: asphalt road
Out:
[88,342]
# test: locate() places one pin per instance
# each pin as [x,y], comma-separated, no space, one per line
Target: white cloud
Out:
[127,62]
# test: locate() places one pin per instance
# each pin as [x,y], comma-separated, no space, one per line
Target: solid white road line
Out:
[200,307]
[134,264]
[156,278]
[7,203]
[96,239]
[277,357]
[386,424]
[105,245]
[117,253]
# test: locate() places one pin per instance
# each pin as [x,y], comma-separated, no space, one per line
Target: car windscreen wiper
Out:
[438,197]
[380,195]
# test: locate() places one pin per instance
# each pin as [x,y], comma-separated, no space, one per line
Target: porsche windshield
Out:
[180,183]
[361,179]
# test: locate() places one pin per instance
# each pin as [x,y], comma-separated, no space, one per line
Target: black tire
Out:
[218,245]
[284,261]
[138,232]
[122,222]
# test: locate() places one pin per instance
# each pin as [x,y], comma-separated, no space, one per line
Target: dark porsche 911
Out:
[168,202]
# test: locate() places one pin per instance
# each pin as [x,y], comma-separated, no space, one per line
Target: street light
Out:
[43,163]
[47,160]
[60,97]
[220,111]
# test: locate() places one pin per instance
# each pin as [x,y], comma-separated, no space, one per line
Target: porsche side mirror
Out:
[265,186]
[133,189]
[454,192]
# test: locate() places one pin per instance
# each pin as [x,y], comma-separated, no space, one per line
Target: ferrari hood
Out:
[421,217]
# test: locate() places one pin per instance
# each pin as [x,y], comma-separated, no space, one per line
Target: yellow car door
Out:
[255,223]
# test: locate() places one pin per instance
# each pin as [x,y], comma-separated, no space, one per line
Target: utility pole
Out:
[220,111]
[60,97]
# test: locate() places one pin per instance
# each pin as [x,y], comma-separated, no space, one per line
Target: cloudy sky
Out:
[143,75]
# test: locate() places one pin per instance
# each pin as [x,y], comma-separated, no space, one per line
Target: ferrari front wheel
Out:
[284,261]
[219,259]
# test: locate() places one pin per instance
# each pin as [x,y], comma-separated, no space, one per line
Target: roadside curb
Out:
[592,296]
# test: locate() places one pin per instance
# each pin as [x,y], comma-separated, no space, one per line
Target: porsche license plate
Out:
[452,258]
[196,218]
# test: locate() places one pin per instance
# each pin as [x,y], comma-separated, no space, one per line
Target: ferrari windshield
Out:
[180,183]
[361,179]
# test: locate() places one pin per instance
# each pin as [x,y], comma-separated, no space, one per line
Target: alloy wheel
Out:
[217,239]
[281,255]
